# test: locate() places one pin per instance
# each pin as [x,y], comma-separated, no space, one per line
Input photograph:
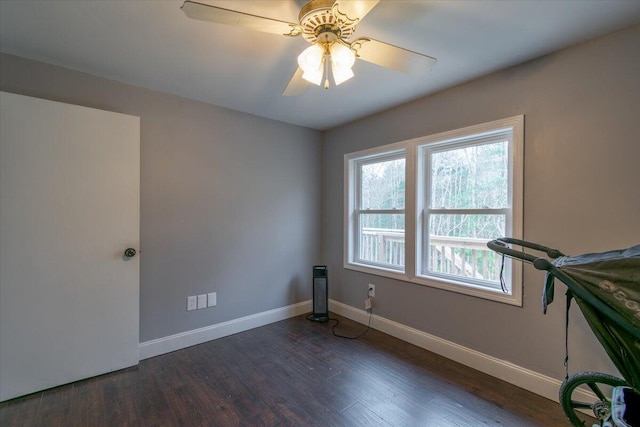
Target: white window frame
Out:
[353,164]
[513,129]
[416,202]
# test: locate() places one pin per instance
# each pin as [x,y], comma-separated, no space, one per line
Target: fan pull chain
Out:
[326,71]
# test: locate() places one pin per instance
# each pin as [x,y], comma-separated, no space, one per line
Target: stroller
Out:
[606,287]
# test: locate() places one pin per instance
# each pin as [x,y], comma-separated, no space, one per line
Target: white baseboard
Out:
[198,336]
[524,378]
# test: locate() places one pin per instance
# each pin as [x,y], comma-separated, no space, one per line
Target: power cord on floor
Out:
[333,328]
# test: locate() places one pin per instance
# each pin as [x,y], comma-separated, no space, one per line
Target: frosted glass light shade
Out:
[342,59]
[310,61]
[342,56]
[314,76]
[340,75]
[311,58]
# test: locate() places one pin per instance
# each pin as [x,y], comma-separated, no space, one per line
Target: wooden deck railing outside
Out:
[461,256]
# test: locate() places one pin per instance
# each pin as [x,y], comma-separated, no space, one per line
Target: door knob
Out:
[129,253]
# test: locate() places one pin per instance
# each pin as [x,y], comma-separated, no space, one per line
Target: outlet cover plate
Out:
[211,299]
[202,301]
[192,303]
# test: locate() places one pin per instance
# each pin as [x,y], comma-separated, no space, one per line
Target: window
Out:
[423,210]
[379,210]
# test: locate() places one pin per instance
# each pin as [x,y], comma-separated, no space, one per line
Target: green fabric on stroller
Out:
[606,287]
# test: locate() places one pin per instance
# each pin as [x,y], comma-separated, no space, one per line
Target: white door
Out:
[69,207]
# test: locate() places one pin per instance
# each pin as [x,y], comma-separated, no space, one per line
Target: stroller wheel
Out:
[600,384]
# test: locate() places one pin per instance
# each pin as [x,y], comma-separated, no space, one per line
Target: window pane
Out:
[458,246]
[381,239]
[382,185]
[473,177]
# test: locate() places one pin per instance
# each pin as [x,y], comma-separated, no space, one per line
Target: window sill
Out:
[470,290]
[440,283]
[377,271]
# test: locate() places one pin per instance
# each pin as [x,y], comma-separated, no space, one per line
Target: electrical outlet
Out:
[371,292]
[211,299]
[192,303]
[202,301]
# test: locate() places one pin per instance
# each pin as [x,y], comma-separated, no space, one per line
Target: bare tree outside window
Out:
[381,218]
[467,185]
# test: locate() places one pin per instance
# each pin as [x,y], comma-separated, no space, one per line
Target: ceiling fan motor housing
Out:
[319,22]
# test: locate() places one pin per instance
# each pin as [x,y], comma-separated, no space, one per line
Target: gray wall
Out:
[229,202]
[582,193]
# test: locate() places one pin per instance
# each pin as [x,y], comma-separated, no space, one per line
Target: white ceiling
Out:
[154,45]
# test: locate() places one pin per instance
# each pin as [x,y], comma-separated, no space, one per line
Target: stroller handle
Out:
[501,246]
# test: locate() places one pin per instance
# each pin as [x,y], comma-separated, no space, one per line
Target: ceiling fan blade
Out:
[350,12]
[205,12]
[296,85]
[393,57]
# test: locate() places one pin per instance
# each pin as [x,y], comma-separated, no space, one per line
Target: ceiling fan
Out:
[328,25]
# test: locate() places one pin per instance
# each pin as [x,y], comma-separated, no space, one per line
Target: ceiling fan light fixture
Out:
[342,56]
[311,58]
[340,75]
[314,76]
[328,26]
[342,59]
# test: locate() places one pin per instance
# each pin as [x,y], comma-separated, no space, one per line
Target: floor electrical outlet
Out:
[192,303]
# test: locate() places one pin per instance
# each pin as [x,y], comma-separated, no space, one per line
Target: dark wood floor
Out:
[293,372]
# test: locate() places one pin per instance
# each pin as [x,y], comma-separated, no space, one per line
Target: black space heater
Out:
[320,294]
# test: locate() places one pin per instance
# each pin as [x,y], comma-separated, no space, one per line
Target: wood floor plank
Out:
[152,406]
[262,377]
[241,362]
[120,397]
[85,401]
[294,381]
[290,373]
[55,406]
[359,415]
[23,410]
[380,396]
